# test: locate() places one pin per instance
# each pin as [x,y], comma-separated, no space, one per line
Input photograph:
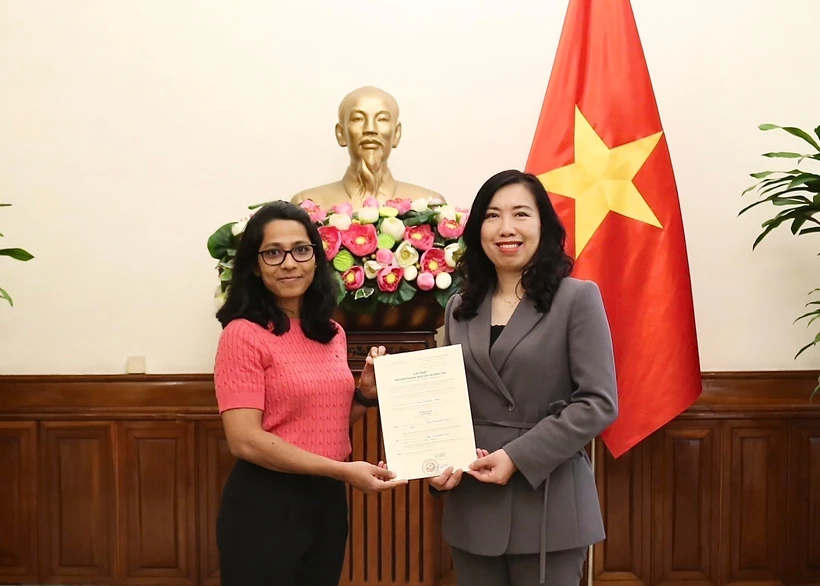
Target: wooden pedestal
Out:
[395,537]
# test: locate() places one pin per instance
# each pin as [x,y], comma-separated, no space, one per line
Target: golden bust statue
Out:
[370,129]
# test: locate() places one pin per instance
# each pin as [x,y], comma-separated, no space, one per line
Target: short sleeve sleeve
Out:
[239,373]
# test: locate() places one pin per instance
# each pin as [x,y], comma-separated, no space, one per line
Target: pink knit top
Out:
[303,388]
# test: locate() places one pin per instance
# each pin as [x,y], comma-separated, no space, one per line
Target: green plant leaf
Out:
[784,155]
[258,205]
[816,313]
[3,293]
[403,294]
[793,131]
[810,230]
[364,292]
[4,205]
[226,275]
[16,253]
[221,241]
[809,345]
[414,218]
[443,295]
[341,292]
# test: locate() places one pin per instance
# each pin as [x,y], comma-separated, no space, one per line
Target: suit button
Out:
[510,407]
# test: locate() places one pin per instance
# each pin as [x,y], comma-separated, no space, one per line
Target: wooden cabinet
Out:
[117,480]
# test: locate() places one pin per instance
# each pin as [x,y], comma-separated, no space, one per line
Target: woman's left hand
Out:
[367,382]
[495,468]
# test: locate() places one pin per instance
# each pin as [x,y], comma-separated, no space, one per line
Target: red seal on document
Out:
[430,467]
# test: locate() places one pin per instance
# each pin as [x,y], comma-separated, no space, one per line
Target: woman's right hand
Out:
[447,480]
[369,478]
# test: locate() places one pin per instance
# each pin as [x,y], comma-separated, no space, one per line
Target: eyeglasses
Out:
[274,257]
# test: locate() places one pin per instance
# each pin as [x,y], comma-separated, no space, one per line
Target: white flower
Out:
[446,212]
[393,227]
[368,215]
[419,205]
[340,221]
[443,280]
[239,227]
[406,255]
[372,268]
[449,251]
[410,273]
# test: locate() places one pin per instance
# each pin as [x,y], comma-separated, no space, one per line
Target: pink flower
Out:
[389,278]
[360,239]
[464,217]
[403,205]
[434,262]
[370,202]
[331,240]
[384,256]
[353,278]
[421,237]
[425,281]
[317,214]
[343,208]
[450,229]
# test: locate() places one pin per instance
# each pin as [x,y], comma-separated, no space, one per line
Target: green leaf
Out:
[16,253]
[221,241]
[794,132]
[414,218]
[817,131]
[364,292]
[4,205]
[3,294]
[815,313]
[403,294]
[809,345]
[444,295]
[810,230]
[226,275]
[258,205]
[783,155]
[341,292]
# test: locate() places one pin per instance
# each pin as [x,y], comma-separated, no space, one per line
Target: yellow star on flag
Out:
[600,180]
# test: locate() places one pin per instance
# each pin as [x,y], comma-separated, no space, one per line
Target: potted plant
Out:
[795,195]
[16,254]
[393,263]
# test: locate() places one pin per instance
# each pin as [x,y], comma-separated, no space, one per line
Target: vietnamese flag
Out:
[600,151]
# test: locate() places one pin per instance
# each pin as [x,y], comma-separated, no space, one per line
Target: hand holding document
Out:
[425,412]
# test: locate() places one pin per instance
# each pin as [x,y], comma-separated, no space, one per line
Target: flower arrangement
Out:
[384,254]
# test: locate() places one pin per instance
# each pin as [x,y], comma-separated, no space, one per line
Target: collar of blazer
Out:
[521,322]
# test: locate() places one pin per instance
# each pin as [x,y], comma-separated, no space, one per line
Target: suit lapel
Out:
[521,322]
[478,335]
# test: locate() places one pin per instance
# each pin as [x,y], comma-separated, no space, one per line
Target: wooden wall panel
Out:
[214,466]
[18,502]
[754,501]
[686,463]
[78,502]
[803,514]
[727,494]
[158,507]
[625,493]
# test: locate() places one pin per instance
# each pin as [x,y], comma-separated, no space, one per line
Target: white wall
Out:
[130,130]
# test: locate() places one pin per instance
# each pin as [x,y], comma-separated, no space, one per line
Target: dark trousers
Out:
[281,529]
[563,568]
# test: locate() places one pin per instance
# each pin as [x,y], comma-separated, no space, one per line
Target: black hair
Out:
[249,299]
[549,265]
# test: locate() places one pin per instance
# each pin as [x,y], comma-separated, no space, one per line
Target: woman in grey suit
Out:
[541,376]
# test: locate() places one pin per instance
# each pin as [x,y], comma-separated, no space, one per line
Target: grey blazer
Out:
[543,392]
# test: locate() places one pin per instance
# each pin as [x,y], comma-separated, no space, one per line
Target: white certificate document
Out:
[425,412]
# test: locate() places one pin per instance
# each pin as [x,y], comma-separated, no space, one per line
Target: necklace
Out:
[508,302]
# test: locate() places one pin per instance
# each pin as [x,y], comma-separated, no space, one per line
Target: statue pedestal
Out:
[395,537]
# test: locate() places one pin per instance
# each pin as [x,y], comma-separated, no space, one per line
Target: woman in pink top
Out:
[287,400]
